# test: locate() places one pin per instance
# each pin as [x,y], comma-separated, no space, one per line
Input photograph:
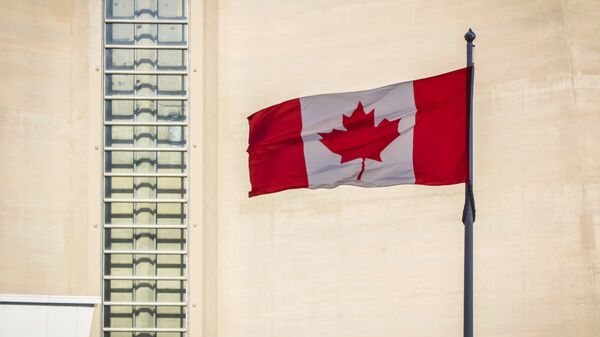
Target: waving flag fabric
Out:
[407,133]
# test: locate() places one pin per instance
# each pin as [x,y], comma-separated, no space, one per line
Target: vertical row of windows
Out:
[145,168]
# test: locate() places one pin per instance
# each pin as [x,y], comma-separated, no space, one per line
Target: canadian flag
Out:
[407,133]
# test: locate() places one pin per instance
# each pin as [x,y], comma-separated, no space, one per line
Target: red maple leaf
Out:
[361,139]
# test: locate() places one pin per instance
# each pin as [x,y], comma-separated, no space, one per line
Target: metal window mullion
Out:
[185,184]
[134,182]
[185,158]
[110,226]
[103,187]
[128,174]
[145,149]
[146,304]
[144,330]
[144,252]
[145,72]
[113,123]
[156,157]
[148,21]
[145,201]
[146,98]
[162,278]
[185,212]
[137,46]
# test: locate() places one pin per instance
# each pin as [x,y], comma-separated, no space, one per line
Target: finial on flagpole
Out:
[470,36]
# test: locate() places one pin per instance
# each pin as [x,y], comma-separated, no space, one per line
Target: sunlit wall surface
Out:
[94,140]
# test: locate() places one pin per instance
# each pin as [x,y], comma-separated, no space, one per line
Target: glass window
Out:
[146,9]
[145,34]
[145,169]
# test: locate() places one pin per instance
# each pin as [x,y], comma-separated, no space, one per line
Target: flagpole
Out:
[469,208]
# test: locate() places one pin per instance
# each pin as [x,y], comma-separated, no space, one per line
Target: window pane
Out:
[171,59]
[146,59]
[146,85]
[146,187]
[146,34]
[145,9]
[145,111]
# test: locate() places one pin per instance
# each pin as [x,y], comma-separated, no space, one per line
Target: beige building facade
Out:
[89,187]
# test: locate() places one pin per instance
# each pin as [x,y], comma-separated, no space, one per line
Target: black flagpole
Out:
[469,209]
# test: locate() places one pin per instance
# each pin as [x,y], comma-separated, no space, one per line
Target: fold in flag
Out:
[407,133]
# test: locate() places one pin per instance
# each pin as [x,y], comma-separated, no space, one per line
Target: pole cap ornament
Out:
[470,36]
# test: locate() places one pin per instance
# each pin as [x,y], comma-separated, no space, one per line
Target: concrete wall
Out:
[388,262]
[50,170]
[344,262]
